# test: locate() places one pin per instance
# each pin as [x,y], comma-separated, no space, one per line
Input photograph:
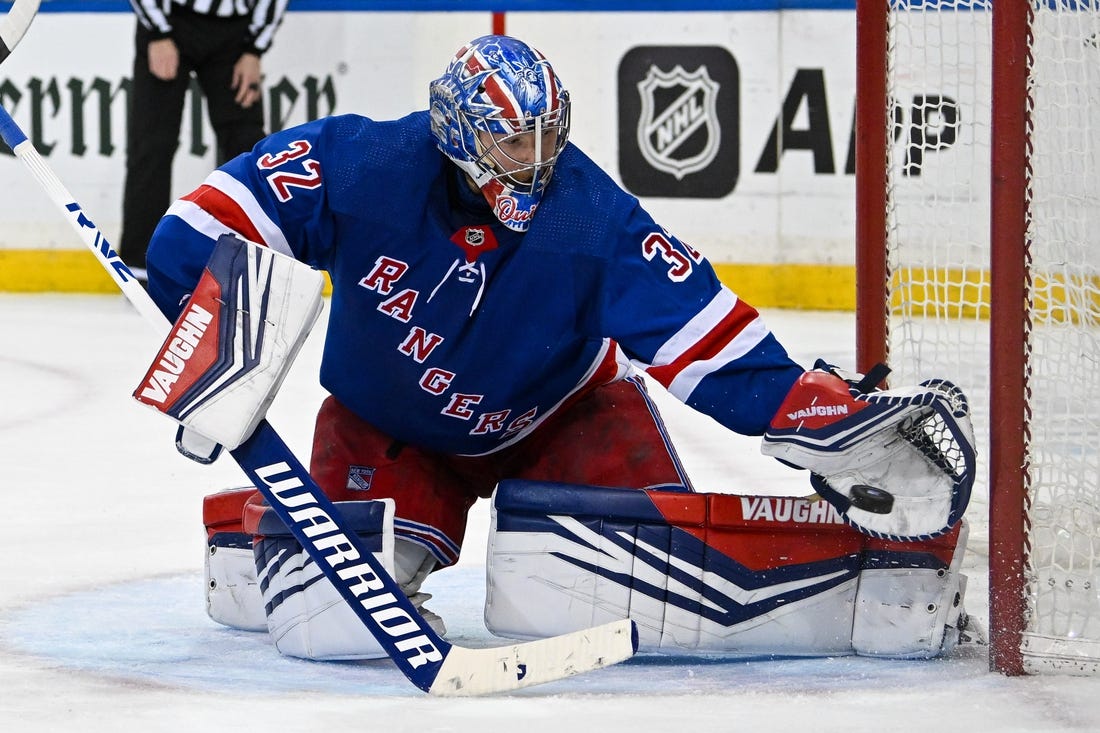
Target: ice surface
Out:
[102,626]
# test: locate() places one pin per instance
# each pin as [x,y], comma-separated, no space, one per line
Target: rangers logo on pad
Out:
[359,478]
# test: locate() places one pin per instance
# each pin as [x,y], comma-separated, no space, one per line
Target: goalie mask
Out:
[500,113]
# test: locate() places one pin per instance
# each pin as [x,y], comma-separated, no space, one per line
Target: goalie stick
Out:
[429,662]
[15,24]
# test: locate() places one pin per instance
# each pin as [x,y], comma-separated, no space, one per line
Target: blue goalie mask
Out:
[500,113]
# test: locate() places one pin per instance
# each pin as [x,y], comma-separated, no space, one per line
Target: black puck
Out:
[871,499]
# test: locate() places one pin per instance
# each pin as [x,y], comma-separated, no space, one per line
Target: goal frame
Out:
[1008,278]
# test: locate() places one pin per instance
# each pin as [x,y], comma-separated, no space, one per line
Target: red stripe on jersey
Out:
[225,210]
[713,342]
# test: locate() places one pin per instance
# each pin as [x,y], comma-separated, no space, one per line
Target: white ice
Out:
[101,613]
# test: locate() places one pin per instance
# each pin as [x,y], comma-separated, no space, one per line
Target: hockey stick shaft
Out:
[428,661]
[84,227]
[15,24]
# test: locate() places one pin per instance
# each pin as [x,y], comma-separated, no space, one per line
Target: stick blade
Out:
[468,672]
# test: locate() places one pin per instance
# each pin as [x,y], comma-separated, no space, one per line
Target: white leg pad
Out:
[562,558]
[910,612]
[232,592]
[740,575]
[306,615]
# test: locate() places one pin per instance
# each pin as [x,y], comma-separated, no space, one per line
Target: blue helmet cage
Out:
[501,86]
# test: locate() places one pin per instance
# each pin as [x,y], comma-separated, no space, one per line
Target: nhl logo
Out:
[678,130]
[475,236]
[475,241]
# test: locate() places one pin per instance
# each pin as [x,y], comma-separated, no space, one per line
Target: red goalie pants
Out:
[611,437]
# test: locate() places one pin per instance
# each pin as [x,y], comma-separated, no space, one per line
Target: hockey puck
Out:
[871,499]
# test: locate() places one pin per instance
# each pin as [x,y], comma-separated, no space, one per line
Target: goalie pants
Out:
[209,47]
[614,436]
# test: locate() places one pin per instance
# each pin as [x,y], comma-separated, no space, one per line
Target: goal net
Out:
[978,231]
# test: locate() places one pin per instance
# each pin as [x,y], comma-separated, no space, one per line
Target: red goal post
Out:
[978,259]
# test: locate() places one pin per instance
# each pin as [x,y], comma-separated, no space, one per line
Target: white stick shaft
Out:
[15,23]
[85,229]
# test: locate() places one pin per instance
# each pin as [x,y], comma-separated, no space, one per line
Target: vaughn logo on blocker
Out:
[678,121]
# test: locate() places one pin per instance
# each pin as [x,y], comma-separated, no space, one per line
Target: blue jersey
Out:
[451,332]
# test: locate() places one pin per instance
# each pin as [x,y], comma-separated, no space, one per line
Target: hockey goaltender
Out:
[495,299]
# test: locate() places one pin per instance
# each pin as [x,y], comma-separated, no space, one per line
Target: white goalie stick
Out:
[428,661]
[15,24]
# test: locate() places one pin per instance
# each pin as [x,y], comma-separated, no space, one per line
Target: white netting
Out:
[939,261]
[938,219]
[1064,375]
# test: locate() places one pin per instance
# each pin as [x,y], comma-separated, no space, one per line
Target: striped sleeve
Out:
[267,15]
[152,15]
[724,331]
[221,204]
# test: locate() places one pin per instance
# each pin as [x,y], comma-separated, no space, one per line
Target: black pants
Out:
[208,47]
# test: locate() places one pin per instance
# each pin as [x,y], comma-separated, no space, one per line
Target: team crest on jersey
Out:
[359,478]
[678,130]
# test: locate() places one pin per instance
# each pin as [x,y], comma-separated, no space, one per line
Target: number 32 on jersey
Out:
[282,181]
[679,264]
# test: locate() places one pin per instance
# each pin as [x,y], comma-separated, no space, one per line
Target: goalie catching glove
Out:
[914,445]
[232,346]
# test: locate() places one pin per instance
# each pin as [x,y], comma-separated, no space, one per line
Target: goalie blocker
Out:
[232,345]
[744,575]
